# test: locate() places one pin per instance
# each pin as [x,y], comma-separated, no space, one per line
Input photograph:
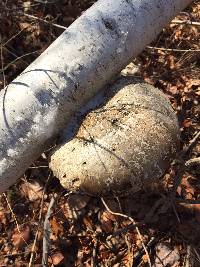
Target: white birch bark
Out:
[38,103]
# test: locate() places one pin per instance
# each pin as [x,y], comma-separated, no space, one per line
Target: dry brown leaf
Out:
[171,61]
[106,215]
[24,25]
[56,259]
[165,256]
[74,207]
[173,90]
[145,258]
[19,239]
[104,252]
[2,217]
[32,190]
[193,82]
[88,223]
[187,123]
[186,189]
[107,220]
[56,227]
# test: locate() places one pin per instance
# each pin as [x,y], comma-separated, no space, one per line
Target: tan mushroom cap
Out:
[121,146]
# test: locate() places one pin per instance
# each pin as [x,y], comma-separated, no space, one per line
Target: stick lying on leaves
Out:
[136,227]
[47,232]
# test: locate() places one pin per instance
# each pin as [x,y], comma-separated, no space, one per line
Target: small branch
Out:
[182,166]
[25,55]
[45,2]
[192,162]
[40,218]
[13,54]
[2,64]
[17,34]
[188,256]
[38,167]
[176,213]
[196,254]
[173,49]
[94,254]
[147,219]
[191,144]
[139,254]
[15,219]
[129,250]
[47,232]
[133,222]
[188,201]
[186,22]
[45,21]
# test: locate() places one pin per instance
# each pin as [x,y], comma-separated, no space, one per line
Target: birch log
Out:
[97,46]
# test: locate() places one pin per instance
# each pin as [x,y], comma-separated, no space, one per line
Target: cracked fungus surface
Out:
[121,146]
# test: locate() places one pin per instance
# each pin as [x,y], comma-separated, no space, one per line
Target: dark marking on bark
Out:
[75,180]
[20,83]
[81,48]
[109,24]
[130,2]
[131,5]
[44,97]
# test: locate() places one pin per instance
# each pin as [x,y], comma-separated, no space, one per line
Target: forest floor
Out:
[90,231]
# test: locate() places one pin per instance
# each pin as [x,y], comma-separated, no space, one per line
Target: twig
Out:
[15,219]
[191,144]
[193,161]
[47,232]
[14,254]
[133,222]
[147,219]
[94,254]
[187,201]
[177,180]
[182,166]
[45,21]
[13,54]
[188,255]
[152,211]
[37,167]
[148,246]
[176,213]
[47,1]
[13,9]
[40,218]
[18,33]
[118,202]
[15,60]
[197,254]
[130,250]
[172,49]
[2,64]
[123,230]
[186,22]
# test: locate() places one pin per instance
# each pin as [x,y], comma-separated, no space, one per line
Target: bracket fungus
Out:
[122,145]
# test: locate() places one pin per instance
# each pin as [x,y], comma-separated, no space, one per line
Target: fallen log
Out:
[36,106]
